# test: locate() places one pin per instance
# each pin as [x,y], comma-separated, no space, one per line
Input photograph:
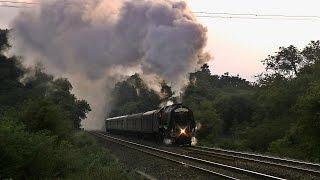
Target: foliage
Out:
[19,85]
[134,96]
[44,114]
[4,42]
[234,110]
[40,155]
[40,85]
[303,140]
[11,89]
[278,114]
[286,62]
[312,52]
[209,123]
[39,127]
[219,103]
[166,92]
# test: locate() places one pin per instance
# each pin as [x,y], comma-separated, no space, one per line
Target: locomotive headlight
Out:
[182,131]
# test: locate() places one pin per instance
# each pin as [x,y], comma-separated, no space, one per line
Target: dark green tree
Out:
[4,42]
[287,61]
[234,110]
[19,85]
[11,71]
[302,140]
[133,96]
[166,92]
[44,114]
[312,52]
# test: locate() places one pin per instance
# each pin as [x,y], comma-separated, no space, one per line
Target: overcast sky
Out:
[238,45]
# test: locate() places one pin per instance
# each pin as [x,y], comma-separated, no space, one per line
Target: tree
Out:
[234,110]
[200,85]
[133,96]
[312,52]
[308,109]
[11,71]
[303,139]
[209,123]
[166,92]
[60,91]
[219,103]
[4,42]
[40,85]
[38,118]
[41,155]
[19,85]
[44,114]
[287,61]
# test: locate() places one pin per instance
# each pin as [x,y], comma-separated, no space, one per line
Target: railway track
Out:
[289,164]
[203,165]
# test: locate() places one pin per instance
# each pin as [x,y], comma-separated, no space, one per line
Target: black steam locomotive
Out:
[173,124]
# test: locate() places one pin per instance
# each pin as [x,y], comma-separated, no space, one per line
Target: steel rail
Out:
[162,157]
[263,159]
[223,166]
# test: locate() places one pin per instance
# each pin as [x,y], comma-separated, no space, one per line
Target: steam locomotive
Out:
[172,124]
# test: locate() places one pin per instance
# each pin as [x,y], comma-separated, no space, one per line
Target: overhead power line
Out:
[257,15]
[200,14]
[13,6]
[258,18]
[18,2]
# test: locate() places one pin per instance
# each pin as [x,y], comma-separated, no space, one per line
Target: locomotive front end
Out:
[182,125]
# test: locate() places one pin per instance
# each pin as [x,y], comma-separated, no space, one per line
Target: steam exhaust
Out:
[96,43]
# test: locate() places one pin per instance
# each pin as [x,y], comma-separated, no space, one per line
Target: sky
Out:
[238,45]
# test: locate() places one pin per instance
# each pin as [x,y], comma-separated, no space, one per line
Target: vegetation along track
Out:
[292,166]
[189,161]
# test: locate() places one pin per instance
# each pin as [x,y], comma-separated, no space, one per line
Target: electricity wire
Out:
[18,2]
[200,14]
[13,6]
[256,15]
[258,18]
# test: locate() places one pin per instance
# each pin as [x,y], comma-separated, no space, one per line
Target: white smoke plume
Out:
[96,42]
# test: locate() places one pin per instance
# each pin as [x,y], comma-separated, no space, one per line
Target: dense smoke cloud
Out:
[96,42]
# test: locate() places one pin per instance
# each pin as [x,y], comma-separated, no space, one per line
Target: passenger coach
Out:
[174,123]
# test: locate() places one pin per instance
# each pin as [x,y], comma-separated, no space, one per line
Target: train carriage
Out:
[175,123]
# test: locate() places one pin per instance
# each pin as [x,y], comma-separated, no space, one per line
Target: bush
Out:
[26,154]
[40,155]
[43,114]
[303,141]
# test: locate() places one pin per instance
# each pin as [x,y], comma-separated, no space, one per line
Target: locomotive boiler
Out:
[174,123]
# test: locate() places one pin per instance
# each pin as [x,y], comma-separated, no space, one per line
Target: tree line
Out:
[278,114]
